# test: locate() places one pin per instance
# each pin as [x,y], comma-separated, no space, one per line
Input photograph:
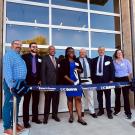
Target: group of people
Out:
[67,70]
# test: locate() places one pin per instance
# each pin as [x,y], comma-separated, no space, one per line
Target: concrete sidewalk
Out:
[119,125]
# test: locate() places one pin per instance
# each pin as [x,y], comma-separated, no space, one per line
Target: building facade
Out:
[78,23]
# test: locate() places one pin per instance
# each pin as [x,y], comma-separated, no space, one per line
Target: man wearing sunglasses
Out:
[33,62]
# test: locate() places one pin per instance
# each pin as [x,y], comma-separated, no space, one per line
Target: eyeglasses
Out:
[17,44]
[33,46]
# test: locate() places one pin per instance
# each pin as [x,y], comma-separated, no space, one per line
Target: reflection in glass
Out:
[69,18]
[71,3]
[105,22]
[95,53]
[27,13]
[62,37]
[106,40]
[27,34]
[40,1]
[62,52]
[105,5]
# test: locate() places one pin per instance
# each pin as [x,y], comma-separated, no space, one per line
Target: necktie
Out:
[84,69]
[34,64]
[53,61]
[100,65]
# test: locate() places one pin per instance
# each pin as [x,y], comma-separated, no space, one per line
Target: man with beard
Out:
[33,63]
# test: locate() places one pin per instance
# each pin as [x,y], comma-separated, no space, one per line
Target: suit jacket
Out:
[89,62]
[28,60]
[108,69]
[49,74]
[65,70]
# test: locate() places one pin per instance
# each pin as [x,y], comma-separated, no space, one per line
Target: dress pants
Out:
[54,97]
[125,92]
[88,95]
[26,102]
[107,93]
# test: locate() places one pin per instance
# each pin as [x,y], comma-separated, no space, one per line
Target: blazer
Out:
[28,60]
[65,70]
[108,69]
[49,74]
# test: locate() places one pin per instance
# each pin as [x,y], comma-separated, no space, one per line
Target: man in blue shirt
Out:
[14,68]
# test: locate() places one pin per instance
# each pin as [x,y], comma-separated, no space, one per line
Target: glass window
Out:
[95,53]
[27,13]
[40,1]
[69,18]
[62,37]
[105,39]
[105,5]
[71,3]
[27,34]
[105,22]
[62,52]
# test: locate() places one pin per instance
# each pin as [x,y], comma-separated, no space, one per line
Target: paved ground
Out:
[100,126]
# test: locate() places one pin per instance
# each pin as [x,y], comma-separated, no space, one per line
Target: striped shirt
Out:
[14,67]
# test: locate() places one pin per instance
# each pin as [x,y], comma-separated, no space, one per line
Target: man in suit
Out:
[86,79]
[103,72]
[33,63]
[49,71]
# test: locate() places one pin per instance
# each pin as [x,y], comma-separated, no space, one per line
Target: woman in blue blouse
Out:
[68,67]
[123,71]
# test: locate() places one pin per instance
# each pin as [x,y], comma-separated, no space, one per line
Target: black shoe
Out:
[45,120]
[56,118]
[94,115]
[37,121]
[110,116]
[129,116]
[82,114]
[27,125]
[100,113]
[82,122]
[71,119]
[116,113]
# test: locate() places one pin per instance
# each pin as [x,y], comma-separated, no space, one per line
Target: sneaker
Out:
[8,132]
[117,113]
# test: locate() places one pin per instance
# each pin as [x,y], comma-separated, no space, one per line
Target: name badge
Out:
[39,60]
[77,64]
[58,65]
[107,63]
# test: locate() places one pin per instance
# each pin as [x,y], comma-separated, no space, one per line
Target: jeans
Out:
[7,113]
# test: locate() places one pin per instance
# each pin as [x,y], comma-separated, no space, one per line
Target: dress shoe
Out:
[129,116]
[116,113]
[37,121]
[82,122]
[71,119]
[94,115]
[27,125]
[8,132]
[82,114]
[100,113]
[56,118]
[110,116]
[45,120]
[19,128]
